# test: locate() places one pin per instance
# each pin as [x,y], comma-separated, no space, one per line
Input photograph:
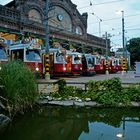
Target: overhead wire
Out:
[109,2]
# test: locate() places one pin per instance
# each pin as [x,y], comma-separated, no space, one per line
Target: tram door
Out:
[17,54]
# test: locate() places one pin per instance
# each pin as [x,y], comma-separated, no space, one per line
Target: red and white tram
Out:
[29,53]
[74,62]
[118,64]
[99,64]
[58,63]
[88,64]
[3,51]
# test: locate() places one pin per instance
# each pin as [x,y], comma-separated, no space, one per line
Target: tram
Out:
[114,67]
[74,62]
[3,51]
[99,64]
[118,64]
[29,53]
[58,63]
[88,64]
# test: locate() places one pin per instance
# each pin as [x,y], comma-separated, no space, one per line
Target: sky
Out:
[106,18]
[103,18]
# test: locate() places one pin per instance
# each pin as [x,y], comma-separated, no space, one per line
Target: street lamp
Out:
[100,20]
[123,41]
[106,36]
[123,38]
[124,59]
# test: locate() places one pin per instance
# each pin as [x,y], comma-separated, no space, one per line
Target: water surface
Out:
[75,123]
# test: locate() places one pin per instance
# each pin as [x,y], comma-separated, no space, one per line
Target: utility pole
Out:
[106,45]
[106,64]
[124,59]
[106,36]
[47,60]
[123,39]
[100,20]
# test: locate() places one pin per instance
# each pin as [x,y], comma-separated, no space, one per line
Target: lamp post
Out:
[123,39]
[106,36]
[123,36]
[47,65]
[100,20]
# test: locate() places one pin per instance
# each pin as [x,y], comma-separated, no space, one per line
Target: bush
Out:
[61,84]
[19,89]
[108,92]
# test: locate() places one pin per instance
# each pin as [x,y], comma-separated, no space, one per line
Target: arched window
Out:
[79,30]
[34,15]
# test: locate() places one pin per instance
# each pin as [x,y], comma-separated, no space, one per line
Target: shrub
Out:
[19,86]
[61,84]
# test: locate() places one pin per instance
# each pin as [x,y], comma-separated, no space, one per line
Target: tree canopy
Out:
[133,46]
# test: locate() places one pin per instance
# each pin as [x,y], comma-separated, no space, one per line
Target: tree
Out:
[133,46]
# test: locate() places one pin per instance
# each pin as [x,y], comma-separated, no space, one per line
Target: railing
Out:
[9,13]
[82,85]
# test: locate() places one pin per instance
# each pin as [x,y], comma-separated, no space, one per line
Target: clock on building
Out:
[60,17]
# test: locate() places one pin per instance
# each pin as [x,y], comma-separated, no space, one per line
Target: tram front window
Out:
[32,55]
[90,62]
[59,58]
[77,60]
[3,54]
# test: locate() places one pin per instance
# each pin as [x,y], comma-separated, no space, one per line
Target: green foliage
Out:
[19,86]
[133,93]
[107,92]
[133,47]
[69,91]
[61,84]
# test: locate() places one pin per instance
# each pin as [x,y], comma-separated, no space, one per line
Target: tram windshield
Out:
[60,58]
[33,55]
[3,54]
[77,60]
[90,61]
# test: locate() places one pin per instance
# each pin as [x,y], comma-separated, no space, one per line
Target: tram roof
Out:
[23,46]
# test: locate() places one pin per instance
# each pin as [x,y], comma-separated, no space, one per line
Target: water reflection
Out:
[70,123]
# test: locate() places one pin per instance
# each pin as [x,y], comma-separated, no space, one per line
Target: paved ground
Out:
[126,78]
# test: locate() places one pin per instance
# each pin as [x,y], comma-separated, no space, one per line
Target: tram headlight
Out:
[64,68]
[37,69]
[80,68]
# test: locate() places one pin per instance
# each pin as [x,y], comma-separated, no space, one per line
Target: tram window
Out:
[84,62]
[3,54]
[33,55]
[90,62]
[77,60]
[59,57]
[17,54]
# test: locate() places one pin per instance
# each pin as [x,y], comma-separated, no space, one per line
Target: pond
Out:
[75,123]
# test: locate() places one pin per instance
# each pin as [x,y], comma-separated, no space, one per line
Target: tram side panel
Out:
[88,65]
[28,55]
[74,63]
[58,63]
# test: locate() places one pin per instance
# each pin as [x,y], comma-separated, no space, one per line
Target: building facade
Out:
[66,25]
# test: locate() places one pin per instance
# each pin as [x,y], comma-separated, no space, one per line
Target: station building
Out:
[27,19]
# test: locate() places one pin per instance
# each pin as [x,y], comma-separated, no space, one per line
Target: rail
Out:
[47,85]
[82,85]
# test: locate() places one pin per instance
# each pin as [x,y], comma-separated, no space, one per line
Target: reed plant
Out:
[18,90]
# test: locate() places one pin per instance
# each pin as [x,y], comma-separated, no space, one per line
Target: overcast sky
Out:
[105,18]
[105,12]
